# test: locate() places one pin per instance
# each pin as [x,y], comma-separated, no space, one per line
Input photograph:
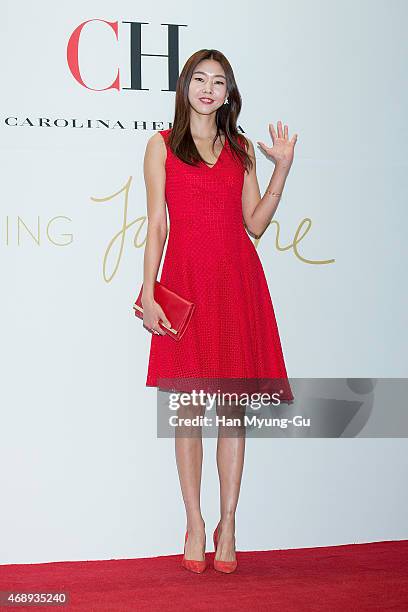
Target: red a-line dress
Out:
[232,336]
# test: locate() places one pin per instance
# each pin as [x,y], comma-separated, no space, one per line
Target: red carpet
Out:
[337,578]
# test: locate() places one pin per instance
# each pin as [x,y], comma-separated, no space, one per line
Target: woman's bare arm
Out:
[257,211]
[155,180]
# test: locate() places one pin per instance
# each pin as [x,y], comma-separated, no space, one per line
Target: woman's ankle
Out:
[227,523]
[195,525]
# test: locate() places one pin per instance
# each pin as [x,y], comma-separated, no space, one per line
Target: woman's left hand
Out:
[283,149]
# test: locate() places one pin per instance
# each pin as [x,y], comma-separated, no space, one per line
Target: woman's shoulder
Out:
[165,133]
[243,140]
[156,147]
[158,137]
[162,135]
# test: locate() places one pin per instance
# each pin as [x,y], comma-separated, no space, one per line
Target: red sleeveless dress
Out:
[211,260]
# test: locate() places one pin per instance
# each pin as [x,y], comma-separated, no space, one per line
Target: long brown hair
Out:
[180,139]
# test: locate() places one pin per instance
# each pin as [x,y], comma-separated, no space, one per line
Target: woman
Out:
[206,173]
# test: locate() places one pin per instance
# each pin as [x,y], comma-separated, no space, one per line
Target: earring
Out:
[226,101]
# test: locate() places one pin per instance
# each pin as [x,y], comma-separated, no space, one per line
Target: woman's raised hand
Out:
[283,149]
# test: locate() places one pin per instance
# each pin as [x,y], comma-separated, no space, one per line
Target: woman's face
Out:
[208,87]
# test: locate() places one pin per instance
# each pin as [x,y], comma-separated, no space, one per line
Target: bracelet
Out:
[274,193]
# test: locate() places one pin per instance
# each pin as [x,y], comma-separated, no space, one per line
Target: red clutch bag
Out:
[177,309]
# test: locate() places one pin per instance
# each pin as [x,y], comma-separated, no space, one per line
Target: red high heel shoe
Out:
[222,566]
[191,564]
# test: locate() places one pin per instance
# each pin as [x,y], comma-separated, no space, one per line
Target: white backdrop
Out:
[83,474]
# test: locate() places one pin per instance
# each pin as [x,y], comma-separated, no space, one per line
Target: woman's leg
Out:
[230,463]
[189,458]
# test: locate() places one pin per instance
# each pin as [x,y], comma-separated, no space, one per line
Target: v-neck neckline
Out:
[218,158]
